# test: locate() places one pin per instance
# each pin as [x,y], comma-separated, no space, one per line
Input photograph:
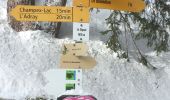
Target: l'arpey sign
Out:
[51,13]
[125,5]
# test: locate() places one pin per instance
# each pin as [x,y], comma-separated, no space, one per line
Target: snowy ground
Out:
[26,55]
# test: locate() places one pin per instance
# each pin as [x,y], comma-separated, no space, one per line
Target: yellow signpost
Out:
[124,5]
[51,13]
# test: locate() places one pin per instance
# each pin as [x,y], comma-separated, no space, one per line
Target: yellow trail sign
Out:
[124,5]
[51,13]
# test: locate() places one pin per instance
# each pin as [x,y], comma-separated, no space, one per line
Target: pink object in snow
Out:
[79,98]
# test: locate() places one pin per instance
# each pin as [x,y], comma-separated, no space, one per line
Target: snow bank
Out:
[26,55]
[3,12]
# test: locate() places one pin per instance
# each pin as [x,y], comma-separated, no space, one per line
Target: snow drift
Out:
[24,56]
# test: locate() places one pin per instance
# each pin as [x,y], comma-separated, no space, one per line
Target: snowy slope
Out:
[26,55]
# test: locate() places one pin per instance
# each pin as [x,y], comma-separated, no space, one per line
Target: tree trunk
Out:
[17,25]
[32,2]
[57,29]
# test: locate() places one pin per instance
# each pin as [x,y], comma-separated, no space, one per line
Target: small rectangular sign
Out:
[70,86]
[81,31]
[76,49]
[73,62]
[61,80]
[70,75]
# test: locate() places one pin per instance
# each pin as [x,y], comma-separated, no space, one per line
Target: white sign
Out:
[61,80]
[81,31]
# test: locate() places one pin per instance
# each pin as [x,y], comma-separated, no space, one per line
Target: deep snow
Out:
[24,56]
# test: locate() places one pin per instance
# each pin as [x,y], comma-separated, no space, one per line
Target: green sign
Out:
[70,75]
[70,86]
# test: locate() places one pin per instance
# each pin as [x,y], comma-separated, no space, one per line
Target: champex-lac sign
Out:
[50,13]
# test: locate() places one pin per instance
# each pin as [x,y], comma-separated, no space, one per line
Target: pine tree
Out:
[153,24]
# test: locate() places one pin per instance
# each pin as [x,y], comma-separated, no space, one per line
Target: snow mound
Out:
[25,56]
[3,11]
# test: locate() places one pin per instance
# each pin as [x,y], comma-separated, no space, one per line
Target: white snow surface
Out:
[24,56]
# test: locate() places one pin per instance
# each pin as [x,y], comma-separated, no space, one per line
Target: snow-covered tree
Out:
[152,24]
